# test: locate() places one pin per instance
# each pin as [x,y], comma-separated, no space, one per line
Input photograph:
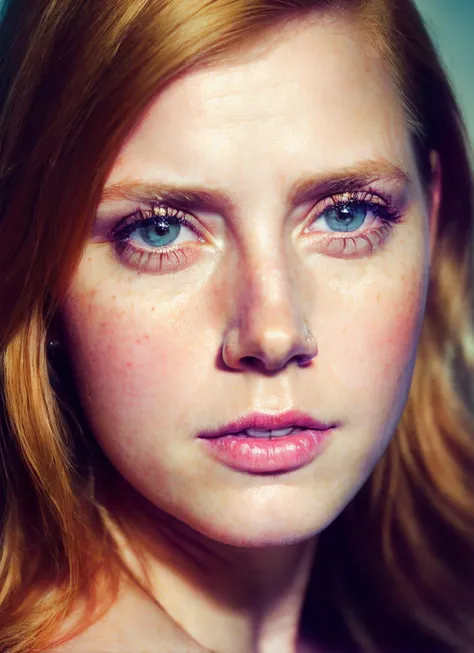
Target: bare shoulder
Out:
[133,623]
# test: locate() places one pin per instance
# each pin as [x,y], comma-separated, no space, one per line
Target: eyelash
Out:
[151,261]
[174,257]
[365,242]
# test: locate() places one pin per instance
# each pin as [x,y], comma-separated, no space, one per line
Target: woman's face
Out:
[313,213]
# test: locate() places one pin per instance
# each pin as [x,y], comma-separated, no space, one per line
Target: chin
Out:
[249,533]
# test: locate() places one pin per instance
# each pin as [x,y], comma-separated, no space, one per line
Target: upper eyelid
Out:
[133,218]
[307,190]
[364,194]
[368,196]
[187,218]
[187,201]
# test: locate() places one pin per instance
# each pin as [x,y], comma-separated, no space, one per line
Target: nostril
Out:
[267,365]
[251,362]
[304,360]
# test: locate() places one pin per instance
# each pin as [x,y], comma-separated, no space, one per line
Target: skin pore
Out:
[163,348]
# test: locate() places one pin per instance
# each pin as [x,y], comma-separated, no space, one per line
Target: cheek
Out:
[374,361]
[390,328]
[126,368]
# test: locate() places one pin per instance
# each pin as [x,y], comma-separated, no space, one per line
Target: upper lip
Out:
[266,421]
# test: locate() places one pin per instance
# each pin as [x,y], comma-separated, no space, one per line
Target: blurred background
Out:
[451,23]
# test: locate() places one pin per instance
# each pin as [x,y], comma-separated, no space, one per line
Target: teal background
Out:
[451,23]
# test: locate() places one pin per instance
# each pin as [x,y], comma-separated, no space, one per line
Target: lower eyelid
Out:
[157,261]
[179,258]
[358,244]
[168,258]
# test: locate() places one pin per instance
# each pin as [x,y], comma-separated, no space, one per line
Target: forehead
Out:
[312,93]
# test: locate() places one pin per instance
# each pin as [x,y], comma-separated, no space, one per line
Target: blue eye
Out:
[165,227]
[157,240]
[353,224]
[346,217]
[160,232]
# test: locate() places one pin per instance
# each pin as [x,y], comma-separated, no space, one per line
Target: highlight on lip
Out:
[268,421]
[234,448]
[265,455]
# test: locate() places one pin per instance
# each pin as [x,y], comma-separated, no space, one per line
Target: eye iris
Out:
[340,217]
[160,232]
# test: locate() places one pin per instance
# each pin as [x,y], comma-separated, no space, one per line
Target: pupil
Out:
[161,226]
[346,218]
[160,232]
[347,214]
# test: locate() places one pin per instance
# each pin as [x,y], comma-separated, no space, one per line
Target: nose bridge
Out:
[269,291]
[268,308]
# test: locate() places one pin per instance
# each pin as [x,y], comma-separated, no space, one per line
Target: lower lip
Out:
[264,455]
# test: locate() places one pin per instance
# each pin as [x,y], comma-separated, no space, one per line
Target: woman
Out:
[236,329]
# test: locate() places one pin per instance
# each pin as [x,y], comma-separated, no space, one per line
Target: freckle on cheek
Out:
[399,337]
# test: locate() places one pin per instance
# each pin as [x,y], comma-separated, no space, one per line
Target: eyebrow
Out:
[349,179]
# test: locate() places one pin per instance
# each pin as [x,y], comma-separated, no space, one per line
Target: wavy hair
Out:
[396,568]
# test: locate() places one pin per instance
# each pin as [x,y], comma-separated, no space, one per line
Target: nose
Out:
[268,329]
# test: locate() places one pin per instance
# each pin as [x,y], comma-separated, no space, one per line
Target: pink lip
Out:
[234,449]
[291,418]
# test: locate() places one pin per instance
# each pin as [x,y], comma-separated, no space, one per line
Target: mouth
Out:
[269,426]
[268,444]
[268,434]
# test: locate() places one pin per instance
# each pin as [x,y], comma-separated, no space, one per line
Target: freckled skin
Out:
[160,357]
[146,347]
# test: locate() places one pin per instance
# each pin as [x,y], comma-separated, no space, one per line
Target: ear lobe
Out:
[434,199]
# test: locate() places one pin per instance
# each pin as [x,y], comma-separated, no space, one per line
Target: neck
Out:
[229,599]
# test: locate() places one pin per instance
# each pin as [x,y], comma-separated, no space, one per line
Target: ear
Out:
[434,199]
